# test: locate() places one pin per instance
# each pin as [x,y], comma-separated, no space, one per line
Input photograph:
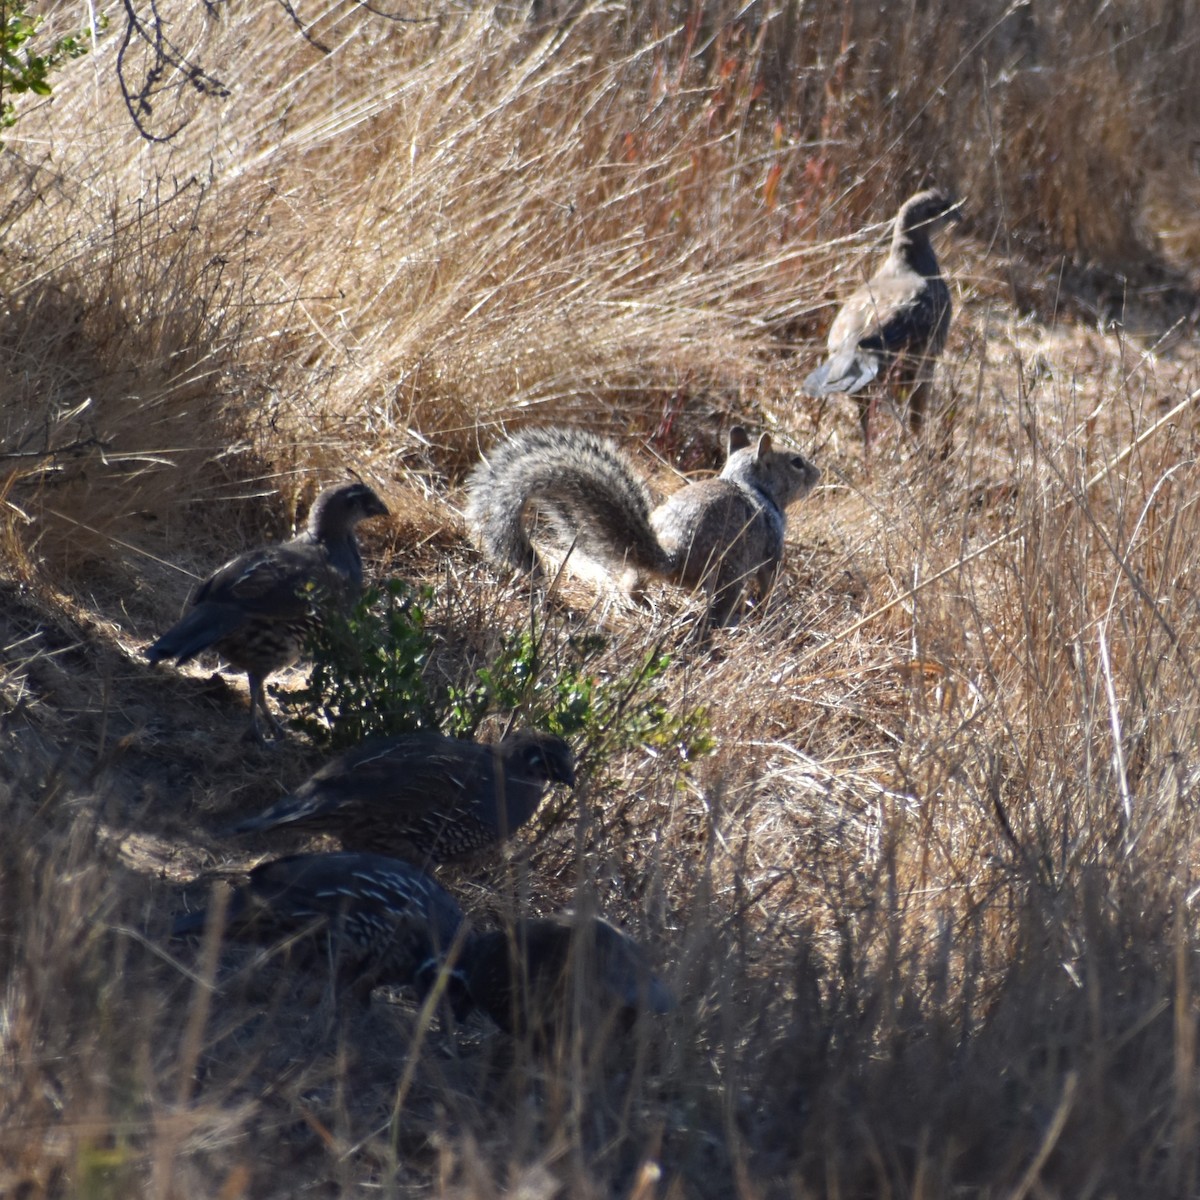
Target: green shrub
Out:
[21,69]
[557,685]
[368,674]
[371,676]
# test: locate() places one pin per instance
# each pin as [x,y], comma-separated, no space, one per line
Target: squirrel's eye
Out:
[799,463]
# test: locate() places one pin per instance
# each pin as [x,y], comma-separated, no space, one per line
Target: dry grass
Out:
[928,908]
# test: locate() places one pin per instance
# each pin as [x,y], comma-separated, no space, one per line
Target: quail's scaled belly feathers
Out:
[382,921]
[386,921]
[425,796]
[257,610]
[899,318]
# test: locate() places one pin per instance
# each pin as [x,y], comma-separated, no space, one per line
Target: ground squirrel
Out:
[718,534]
[897,321]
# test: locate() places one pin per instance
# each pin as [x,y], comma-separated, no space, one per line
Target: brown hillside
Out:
[926,907]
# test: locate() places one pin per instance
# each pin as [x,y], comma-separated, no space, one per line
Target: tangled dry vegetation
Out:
[929,905]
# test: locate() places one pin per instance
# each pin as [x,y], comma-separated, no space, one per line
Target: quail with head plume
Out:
[257,610]
[527,982]
[896,323]
[424,796]
[385,921]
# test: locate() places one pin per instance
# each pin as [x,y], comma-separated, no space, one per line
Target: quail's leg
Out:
[918,397]
[867,404]
[258,703]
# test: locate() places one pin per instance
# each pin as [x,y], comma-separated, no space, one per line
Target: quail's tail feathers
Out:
[847,372]
[282,812]
[581,484]
[203,626]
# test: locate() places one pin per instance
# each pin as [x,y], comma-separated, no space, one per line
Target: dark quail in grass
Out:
[383,921]
[895,325]
[257,610]
[530,981]
[424,796]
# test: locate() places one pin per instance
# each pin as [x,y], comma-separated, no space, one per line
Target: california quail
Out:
[386,921]
[528,982]
[897,321]
[257,610]
[425,796]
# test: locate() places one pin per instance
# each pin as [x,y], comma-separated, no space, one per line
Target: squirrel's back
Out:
[726,533]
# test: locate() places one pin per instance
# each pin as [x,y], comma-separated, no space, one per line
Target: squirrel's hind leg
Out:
[725,605]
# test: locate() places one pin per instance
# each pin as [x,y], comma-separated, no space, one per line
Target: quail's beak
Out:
[377,508]
[565,774]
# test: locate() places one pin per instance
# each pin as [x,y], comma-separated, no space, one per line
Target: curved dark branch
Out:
[391,16]
[294,17]
[168,68]
[150,66]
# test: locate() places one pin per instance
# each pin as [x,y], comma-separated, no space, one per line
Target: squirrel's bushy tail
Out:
[580,484]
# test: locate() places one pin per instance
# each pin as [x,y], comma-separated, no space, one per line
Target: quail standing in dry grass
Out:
[895,325]
[383,920]
[257,610]
[528,982]
[424,796]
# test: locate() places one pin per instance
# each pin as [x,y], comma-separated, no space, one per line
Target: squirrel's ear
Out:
[764,445]
[739,439]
